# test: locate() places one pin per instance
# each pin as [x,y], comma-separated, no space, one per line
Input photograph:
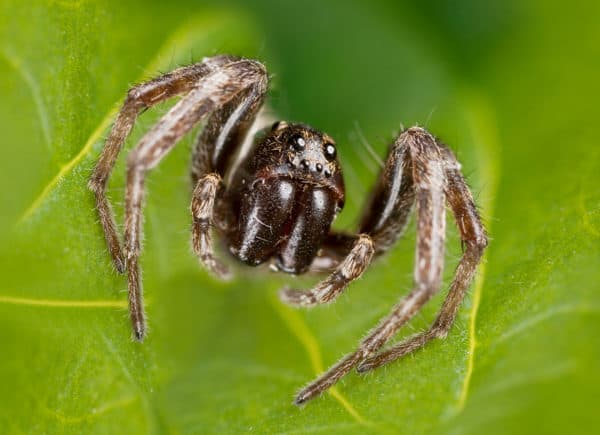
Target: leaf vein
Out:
[62,303]
[483,126]
[298,328]
[543,316]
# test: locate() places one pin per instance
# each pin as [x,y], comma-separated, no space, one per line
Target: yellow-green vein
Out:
[66,168]
[481,120]
[294,322]
[58,303]
[476,299]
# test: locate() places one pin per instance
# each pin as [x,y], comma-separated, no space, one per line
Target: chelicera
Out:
[276,203]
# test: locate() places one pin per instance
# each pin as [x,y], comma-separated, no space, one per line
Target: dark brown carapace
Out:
[277,204]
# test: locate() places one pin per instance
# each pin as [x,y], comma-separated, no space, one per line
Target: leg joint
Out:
[478,244]
[136,161]
[97,184]
[428,288]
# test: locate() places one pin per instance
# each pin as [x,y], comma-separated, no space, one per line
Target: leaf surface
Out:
[513,97]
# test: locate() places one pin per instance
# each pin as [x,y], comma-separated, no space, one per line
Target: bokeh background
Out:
[511,85]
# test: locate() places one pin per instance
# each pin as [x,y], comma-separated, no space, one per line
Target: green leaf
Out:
[514,95]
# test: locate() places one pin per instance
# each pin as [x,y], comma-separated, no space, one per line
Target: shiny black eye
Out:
[330,152]
[298,142]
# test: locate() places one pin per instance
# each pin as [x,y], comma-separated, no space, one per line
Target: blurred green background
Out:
[512,86]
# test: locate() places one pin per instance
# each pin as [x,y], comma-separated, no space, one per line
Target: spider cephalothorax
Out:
[278,203]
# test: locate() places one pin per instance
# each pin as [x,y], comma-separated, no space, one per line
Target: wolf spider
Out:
[277,203]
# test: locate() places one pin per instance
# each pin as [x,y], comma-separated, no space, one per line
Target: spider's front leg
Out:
[139,98]
[215,88]
[417,160]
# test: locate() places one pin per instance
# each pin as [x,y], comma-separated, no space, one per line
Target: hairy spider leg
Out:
[225,131]
[202,209]
[381,226]
[139,98]
[350,269]
[215,88]
[215,148]
[474,241]
[428,175]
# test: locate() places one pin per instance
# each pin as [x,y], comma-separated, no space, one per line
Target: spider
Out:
[277,203]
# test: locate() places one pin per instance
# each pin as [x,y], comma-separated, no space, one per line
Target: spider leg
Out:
[380,227]
[215,149]
[474,240]
[351,268]
[333,251]
[202,208]
[224,132]
[139,98]
[216,89]
[392,200]
[429,182]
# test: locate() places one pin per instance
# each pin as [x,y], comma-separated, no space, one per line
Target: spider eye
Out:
[330,152]
[298,142]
